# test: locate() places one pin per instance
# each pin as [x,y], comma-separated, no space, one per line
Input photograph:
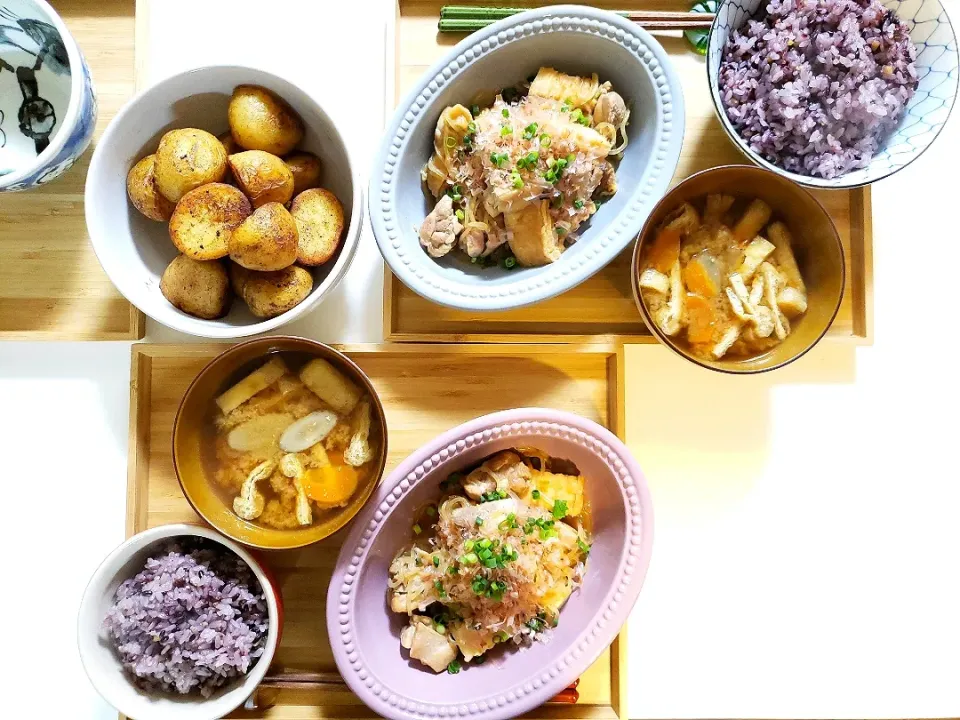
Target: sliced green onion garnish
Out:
[460,215]
[436,561]
[545,140]
[535,494]
[506,130]
[417,529]
[468,546]
[505,112]
[450,141]
[453,668]
[578,204]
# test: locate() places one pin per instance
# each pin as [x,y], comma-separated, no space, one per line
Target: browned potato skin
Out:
[306,171]
[319,218]
[263,177]
[239,276]
[274,293]
[229,144]
[186,159]
[205,218]
[143,193]
[259,120]
[198,288]
[265,241]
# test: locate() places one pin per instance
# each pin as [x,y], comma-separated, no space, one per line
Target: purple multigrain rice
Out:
[814,86]
[193,619]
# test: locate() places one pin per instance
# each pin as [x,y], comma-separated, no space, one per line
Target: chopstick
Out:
[469,18]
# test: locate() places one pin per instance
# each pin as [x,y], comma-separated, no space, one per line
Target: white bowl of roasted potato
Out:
[223,202]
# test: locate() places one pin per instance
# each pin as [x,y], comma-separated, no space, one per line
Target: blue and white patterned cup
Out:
[926,113]
[48,109]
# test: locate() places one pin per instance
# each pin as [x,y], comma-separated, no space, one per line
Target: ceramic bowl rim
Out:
[150,536]
[809,181]
[351,235]
[309,346]
[602,626]
[465,54]
[655,330]
[77,71]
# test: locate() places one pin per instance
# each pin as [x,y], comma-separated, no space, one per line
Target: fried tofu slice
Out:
[331,385]
[259,379]
[756,252]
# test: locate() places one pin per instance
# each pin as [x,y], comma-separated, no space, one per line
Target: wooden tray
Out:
[425,391]
[51,284]
[603,306]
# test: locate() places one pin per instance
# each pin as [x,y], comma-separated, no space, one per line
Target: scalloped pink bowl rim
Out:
[364,633]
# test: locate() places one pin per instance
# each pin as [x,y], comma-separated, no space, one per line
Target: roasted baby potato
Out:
[306,171]
[205,218]
[319,218]
[188,158]
[229,144]
[259,120]
[265,241]
[238,278]
[273,293]
[263,177]
[143,193]
[199,288]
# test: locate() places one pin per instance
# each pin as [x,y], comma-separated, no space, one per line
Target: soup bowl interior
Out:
[504,55]
[192,436]
[817,247]
[134,250]
[925,115]
[364,633]
[102,664]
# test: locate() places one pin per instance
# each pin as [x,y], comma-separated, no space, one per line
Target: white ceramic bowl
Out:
[102,665]
[571,38]
[48,108]
[927,111]
[134,251]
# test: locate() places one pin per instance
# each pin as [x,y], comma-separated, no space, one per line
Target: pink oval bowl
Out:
[101,662]
[365,635]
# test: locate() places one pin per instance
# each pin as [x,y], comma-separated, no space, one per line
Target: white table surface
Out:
[806,542]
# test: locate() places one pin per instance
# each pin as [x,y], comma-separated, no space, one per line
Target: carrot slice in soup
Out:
[700,319]
[665,250]
[698,280]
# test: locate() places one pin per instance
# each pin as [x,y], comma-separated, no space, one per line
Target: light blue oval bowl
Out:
[927,111]
[48,109]
[570,38]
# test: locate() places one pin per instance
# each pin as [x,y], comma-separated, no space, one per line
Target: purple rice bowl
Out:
[194,619]
[815,86]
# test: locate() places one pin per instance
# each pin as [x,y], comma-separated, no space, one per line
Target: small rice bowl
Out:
[815,86]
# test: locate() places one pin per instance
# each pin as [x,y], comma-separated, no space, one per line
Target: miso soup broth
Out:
[289,439]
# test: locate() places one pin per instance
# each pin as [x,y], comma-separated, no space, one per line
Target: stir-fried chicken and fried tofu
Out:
[291,445]
[722,279]
[493,561]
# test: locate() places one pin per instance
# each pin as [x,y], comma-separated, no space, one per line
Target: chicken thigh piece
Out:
[438,233]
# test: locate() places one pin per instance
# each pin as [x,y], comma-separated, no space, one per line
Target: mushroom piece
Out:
[359,451]
[610,108]
[249,503]
[434,650]
[292,467]
[438,233]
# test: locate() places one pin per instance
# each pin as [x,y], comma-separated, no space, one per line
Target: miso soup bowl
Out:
[190,438]
[365,635]
[817,247]
[102,664]
[573,39]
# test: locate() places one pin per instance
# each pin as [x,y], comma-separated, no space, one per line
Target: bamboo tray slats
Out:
[425,391]
[51,284]
[602,306]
